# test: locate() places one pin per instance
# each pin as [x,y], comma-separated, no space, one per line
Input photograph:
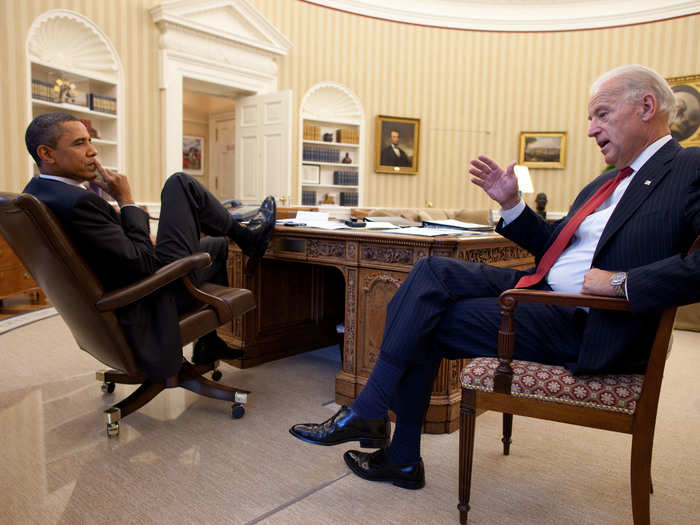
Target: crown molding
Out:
[519,15]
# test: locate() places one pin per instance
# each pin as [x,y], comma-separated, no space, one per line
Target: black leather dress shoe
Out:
[345,426]
[210,348]
[376,467]
[259,229]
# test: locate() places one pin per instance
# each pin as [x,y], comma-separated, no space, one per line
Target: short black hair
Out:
[45,130]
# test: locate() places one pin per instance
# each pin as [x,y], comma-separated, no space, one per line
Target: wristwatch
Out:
[617,281]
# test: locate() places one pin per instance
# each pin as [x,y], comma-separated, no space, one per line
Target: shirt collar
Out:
[65,180]
[649,152]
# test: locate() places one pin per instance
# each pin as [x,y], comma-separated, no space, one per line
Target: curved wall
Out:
[473,91]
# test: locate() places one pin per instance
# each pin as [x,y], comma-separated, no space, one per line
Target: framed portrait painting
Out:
[193,155]
[542,149]
[685,127]
[397,145]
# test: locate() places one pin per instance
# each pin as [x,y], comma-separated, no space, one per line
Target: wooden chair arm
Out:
[507,302]
[161,277]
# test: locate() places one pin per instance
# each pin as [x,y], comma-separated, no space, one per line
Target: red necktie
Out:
[564,237]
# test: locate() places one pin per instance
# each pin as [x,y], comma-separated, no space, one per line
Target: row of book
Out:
[102,103]
[321,153]
[348,198]
[43,91]
[312,132]
[345,178]
[308,198]
[347,136]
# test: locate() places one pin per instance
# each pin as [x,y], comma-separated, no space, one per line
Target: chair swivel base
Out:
[190,378]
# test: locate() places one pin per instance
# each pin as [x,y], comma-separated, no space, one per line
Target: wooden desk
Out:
[311,279]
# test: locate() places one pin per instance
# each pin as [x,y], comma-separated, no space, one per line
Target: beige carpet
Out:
[182,459]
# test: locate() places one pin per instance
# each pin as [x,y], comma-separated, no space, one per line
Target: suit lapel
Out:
[642,186]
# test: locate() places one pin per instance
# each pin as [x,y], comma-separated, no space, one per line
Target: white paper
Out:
[378,226]
[460,224]
[425,232]
[312,216]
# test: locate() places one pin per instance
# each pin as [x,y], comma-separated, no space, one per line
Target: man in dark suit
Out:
[627,234]
[392,155]
[117,245]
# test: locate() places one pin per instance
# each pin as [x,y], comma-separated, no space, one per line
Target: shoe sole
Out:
[402,483]
[364,442]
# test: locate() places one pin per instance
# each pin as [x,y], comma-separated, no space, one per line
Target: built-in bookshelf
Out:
[331,148]
[92,100]
[72,67]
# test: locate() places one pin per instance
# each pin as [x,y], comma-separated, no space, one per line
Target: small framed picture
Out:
[311,174]
[542,149]
[685,127]
[193,155]
[397,142]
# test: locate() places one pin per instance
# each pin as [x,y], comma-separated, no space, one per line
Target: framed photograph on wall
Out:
[311,174]
[685,127]
[397,145]
[542,149]
[193,155]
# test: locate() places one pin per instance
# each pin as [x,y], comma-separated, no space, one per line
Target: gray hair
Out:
[45,130]
[638,80]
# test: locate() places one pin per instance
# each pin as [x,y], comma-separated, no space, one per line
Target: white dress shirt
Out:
[566,275]
[73,182]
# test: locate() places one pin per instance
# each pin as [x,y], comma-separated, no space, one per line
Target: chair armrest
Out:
[165,275]
[506,334]
[508,299]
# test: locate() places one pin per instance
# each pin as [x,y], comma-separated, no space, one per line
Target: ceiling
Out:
[518,15]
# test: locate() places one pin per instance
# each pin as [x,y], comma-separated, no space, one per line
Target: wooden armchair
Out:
[39,241]
[621,403]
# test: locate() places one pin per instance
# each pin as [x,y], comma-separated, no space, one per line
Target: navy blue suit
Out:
[118,249]
[448,308]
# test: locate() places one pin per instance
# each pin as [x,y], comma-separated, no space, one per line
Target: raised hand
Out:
[114,184]
[499,184]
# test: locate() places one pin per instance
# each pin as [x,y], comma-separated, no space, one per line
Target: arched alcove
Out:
[62,44]
[331,122]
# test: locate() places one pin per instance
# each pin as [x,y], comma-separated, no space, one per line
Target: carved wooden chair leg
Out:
[466,451]
[640,474]
[191,380]
[133,402]
[507,432]
[110,377]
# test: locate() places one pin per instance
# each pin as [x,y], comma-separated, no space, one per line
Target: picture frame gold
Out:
[685,127]
[542,149]
[404,134]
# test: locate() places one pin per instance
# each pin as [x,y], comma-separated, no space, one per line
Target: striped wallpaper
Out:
[473,91]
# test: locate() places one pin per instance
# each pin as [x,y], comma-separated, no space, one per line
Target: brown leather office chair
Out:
[621,403]
[39,241]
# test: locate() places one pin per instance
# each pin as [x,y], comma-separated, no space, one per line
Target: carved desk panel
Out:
[311,280]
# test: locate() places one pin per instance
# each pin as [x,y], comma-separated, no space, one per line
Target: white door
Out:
[264,146]
[222,178]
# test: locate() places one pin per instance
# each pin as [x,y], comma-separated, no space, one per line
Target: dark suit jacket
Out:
[118,249]
[648,236]
[389,158]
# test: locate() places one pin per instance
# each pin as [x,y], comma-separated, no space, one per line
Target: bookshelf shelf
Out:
[339,164]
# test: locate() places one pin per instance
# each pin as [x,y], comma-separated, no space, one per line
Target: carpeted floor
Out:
[182,459]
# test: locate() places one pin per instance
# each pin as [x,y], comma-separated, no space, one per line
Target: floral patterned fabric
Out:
[618,393]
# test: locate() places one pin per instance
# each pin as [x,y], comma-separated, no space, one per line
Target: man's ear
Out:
[45,153]
[649,107]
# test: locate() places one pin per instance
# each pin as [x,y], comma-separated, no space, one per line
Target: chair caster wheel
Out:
[237,411]
[112,430]
[216,375]
[108,388]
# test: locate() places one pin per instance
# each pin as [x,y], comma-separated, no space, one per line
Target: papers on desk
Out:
[457,225]
[319,220]
[434,232]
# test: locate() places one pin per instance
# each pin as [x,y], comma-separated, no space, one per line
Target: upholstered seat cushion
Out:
[617,393]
